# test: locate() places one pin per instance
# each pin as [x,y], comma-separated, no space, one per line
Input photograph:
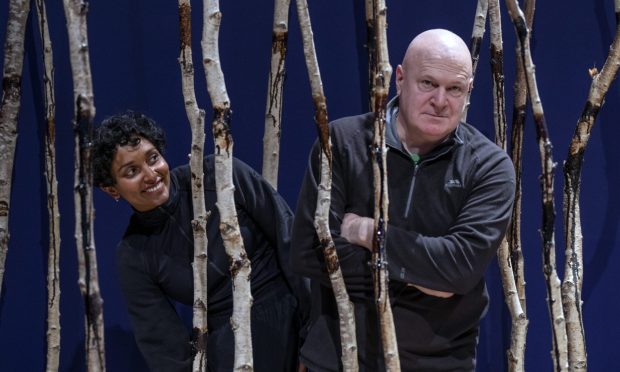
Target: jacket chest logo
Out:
[453,183]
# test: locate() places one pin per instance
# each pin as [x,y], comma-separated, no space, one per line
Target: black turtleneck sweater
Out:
[154,262]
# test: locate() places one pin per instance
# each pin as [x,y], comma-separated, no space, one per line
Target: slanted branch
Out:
[560,348]
[474,44]
[75,13]
[515,297]
[9,113]
[346,313]
[53,257]
[573,270]
[240,268]
[516,352]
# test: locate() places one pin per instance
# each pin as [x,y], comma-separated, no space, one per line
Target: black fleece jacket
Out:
[154,263]
[447,215]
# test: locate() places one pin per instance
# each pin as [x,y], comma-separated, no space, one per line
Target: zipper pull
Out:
[415,157]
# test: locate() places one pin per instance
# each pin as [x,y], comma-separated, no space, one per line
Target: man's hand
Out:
[357,230]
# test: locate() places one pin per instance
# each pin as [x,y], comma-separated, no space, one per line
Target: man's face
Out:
[141,176]
[433,92]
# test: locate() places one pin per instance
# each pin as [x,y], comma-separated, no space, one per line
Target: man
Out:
[451,192]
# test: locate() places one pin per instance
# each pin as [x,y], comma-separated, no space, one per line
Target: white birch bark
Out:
[196,117]
[497,69]
[379,259]
[9,112]
[273,111]
[573,270]
[477,35]
[75,13]
[346,314]
[229,226]
[53,268]
[560,347]
[371,45]
[516,353]
[518,123]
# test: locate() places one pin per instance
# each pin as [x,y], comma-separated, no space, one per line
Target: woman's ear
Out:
[112,191]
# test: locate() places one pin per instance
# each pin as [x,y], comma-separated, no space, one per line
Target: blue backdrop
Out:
[134,47]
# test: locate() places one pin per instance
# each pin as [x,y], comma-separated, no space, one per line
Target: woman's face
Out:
[141,176]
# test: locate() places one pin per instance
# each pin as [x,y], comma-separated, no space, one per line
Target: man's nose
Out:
[440,97]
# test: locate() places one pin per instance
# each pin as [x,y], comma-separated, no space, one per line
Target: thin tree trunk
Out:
[475,43]
[379,150]
[497,69]
[53,268]
[516,353]
[9,113]
[560,350]
[518,124]
[273,114]
[240,267]
[371,44]
[573,270]
[75,12]
[196,118]
[346,312]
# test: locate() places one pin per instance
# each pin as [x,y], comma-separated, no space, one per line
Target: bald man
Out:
[451,192]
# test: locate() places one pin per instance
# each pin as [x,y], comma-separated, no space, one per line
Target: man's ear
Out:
[112,191]
[399,78]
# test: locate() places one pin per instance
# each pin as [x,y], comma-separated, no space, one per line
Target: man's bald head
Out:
[438,44]
[432,85]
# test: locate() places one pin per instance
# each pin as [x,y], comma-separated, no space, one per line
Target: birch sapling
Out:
[573,270]
[53,268]
[475,42]
[497,70]
[560,346]
[273,114]
[371,45]
[516,352]
[9,113]
[346,313]
[229,225]
[379,151]
[75,13]
[516,141]
[196,117]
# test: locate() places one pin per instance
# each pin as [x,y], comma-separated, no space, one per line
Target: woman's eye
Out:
[130,172]
[153,158]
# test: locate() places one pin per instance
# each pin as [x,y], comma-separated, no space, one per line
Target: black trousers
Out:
[275,337]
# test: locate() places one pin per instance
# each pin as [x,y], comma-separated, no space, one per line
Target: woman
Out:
[155,255]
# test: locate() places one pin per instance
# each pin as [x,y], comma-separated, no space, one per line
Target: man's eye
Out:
[426,85]
[456,91]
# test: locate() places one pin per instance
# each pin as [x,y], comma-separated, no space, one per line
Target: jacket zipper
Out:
[416,162]
[416,165]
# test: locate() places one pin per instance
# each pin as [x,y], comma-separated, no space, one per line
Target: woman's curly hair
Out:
[121,130]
